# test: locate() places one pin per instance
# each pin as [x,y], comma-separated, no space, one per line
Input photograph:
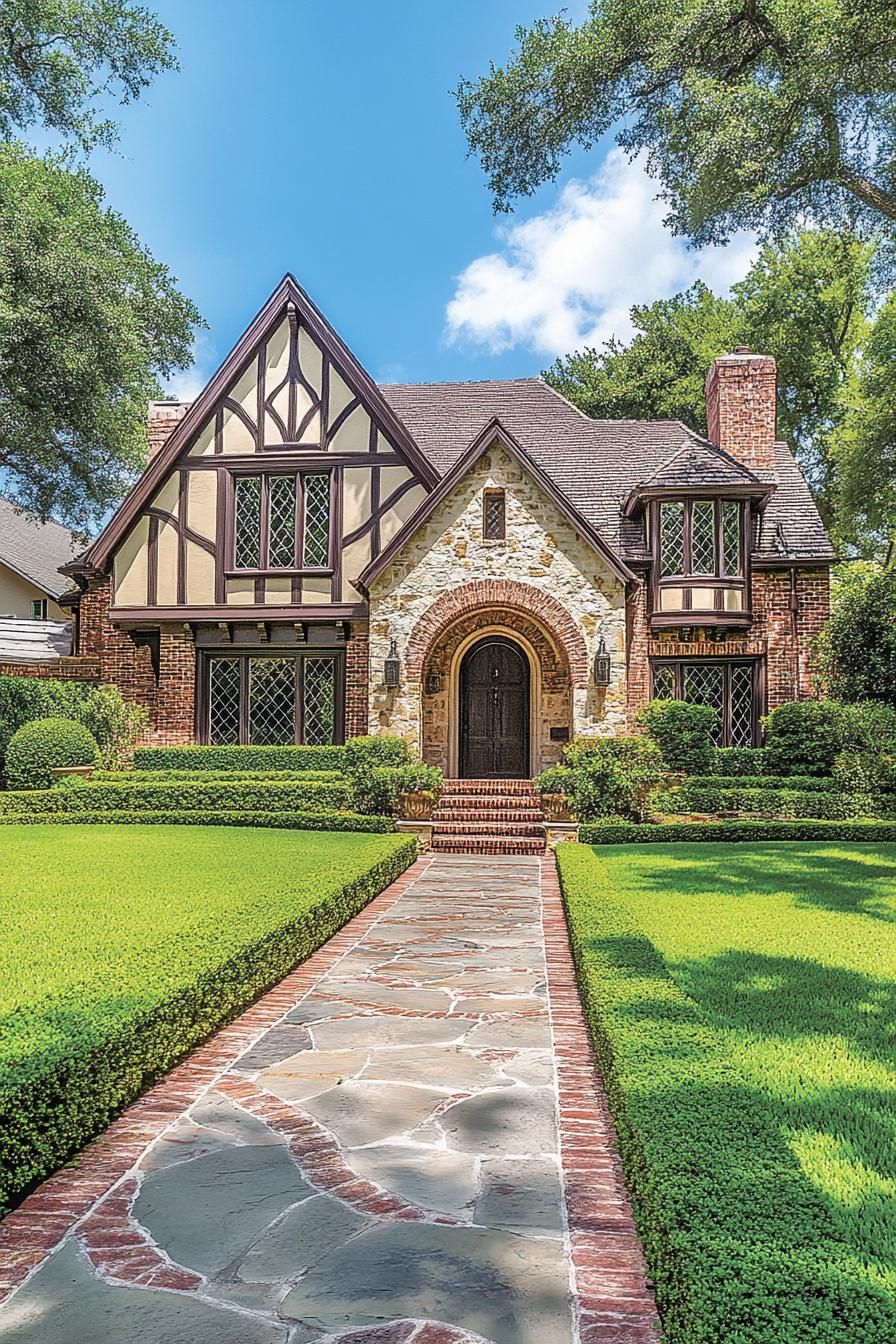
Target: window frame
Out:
[756,664]
[488,494]
[41,604]
[242,656]
[721,582]
[298,569]
[688,571]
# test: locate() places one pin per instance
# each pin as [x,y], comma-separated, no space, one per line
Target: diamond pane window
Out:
[316,535]
[731,535]
[493,515]
[282,522]
[672,538]
[704,684]
[318,701]
[663,683]
[741,705]
[703,537]
[272,701]
[224,702]
[248,522]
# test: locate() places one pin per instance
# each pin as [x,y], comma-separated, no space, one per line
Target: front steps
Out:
[488,816]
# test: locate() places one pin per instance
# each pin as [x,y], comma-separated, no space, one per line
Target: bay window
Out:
[700,569]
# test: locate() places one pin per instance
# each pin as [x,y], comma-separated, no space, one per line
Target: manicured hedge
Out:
[288,821]
[815,783]
[292,795]
[138,970]
[44,745]
[619,832]
[740,1243]
[212,776]
[740,761]
[782,803]
[239,758]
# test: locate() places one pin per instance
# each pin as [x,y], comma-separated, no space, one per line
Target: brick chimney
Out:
[161,421]
[741,396]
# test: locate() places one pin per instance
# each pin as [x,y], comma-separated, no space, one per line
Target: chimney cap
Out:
[742,350]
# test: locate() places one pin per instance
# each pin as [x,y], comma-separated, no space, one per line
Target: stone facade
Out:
[555,592]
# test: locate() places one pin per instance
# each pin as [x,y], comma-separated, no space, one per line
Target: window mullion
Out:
[686,560]
[264,529]
[300,701]
[300,520]
[244,701]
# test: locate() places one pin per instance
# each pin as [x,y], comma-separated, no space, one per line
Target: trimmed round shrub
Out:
[683,732]
[43,745]
[612,775]
[365,753]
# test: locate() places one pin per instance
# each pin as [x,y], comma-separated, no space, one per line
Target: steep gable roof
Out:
[492,432]
[288,292]
[35,550]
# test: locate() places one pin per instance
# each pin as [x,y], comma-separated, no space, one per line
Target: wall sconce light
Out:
[433,683]
[392,668]
[602,664]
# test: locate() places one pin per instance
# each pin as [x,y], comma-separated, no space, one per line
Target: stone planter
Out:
[556,807]
[417,806]
[61,771]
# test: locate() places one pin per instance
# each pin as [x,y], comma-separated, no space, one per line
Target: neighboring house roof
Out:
[35,550]
[492,432]
[596,463]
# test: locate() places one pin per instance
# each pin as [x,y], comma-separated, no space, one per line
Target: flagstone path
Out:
[403,1142]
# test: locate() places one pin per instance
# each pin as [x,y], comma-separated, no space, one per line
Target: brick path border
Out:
[32,1232]
[615,1303]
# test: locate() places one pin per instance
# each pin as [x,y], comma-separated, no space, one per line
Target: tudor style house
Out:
[478,567]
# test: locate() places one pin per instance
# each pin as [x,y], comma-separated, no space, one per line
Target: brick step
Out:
[486,812]
[487,786]
[487,844]
[477,827]
[499,799]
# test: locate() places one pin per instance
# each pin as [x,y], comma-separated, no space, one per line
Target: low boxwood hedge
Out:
[289,821]
[782,803]
[211,776]
[239,758]
[735,761]
[619,832]
[294,795]
[815,783]
[176,954]
[695,1137]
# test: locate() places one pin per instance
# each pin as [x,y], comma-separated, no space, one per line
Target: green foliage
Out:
[269,795]
[44,745]
[377,788]
[728,991]
[127,976]
[865,445]
[362,753]
[683,732]
[866,771]
[323,820]
[822,783]
[734,830]
[749,116]
[556,779]
[804,737]
[211,776]
[114,723]
[58,60]
[611,775]
[239,758]
[856,652]
[740,761]
[764,801]
[90,323]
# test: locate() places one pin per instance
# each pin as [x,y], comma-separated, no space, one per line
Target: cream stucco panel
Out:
[166,498]
[200,584]
[311,433]
[204,445]
[237,437]
[202,503]
[310,360]
[391,478]
[240,592]
[395,518]
[130,567]
[277,357]
[340,395]
[278,592]
[316,592]
[355,498]
[353,435]
[166,582]
[355,559]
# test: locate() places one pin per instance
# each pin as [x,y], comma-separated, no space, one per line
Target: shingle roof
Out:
[596,463]
[698,463]
[36,550]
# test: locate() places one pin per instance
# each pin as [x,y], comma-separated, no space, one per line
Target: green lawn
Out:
[120,947]
[742,1000]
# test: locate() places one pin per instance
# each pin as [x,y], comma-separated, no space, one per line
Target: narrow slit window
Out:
[316,533]
[494,515]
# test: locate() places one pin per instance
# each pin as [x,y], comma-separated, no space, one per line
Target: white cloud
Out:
[188,383]
[568,277]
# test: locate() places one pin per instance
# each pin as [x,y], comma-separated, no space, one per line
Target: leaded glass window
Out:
[672,538]
[663,683]
[316,535]
[703,537]
[319,701]
[704,684]
[726,687]
[247,523]
[272,701]
[731,536]
[282,522]
[741,730]
[224,702]
[494,522]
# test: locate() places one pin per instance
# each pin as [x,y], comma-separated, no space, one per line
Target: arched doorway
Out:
[494,710]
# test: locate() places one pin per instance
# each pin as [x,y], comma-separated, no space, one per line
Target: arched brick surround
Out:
[552,686]
[485,595]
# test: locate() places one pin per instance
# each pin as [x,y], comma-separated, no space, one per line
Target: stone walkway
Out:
[403,1142]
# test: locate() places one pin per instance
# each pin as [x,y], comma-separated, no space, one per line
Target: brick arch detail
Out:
[489,593]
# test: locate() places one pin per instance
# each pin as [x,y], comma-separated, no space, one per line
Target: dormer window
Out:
[700,537]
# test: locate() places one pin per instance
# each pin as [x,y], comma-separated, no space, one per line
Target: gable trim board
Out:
[237,363]
[493,432]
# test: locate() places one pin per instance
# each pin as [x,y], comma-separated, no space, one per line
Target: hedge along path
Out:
[155,939]
[371,1153]
[293,794]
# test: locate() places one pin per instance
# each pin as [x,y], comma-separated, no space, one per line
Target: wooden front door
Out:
[494,711]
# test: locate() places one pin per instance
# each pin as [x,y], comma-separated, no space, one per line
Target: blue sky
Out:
[321,137]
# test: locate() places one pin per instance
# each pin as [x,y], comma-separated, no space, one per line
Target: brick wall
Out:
[60,669]
[789,615]
[741,406]
[357,679]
